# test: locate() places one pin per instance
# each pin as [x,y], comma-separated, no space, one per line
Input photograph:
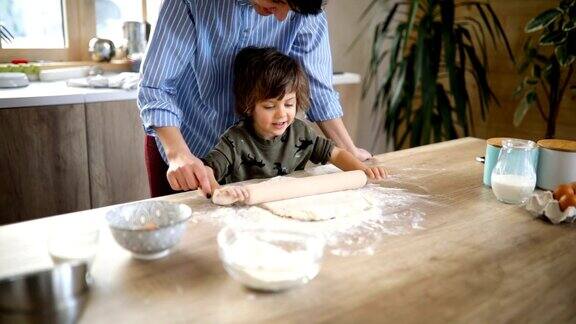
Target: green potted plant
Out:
[424,52]
[548,64]
[5,35]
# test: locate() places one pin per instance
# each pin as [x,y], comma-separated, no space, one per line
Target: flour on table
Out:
[393,207]
[320,207]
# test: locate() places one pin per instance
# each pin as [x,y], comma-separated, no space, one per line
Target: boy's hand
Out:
[376,173]
[229,195]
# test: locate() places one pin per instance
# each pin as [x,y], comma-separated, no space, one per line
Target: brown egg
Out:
[567,201]
[562,190]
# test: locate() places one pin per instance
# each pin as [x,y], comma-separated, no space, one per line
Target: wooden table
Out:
[477,260]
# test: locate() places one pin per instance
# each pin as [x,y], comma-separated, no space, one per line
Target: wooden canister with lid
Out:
[556,163]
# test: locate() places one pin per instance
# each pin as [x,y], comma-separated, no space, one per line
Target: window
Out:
[42,27]
[152,9]
[111,15]
[60,30]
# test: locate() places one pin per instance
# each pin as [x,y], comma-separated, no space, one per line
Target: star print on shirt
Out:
[249,160]
[304,143]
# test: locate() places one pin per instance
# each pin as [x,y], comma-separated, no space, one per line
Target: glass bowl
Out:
[270,260]
[148,229]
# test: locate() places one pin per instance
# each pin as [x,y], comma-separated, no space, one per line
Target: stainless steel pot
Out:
[56,295]
[101,50]
[135,36]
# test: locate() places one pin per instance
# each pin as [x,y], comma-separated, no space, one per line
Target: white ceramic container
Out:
[13,80]
[556,164]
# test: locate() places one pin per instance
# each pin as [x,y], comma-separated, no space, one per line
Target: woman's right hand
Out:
[187,172]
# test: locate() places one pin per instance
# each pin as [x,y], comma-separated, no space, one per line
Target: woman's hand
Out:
[376,173]
[187,172]
[362,155]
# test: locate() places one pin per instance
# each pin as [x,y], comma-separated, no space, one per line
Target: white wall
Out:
[344,26]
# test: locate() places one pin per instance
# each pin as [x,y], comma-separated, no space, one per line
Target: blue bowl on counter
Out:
[148,229]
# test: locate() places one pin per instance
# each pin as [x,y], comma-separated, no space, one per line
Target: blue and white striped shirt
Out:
[187,73]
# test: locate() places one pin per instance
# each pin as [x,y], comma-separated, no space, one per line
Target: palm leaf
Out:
[5,34]
[376,57]
[429,44]
[501,32]
[525,105]
[487,23]
[445,109]
[542,20]
[414,4]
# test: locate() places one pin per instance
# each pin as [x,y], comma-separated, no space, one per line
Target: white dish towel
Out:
[124,80]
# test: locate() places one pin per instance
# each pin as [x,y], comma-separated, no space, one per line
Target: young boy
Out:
[270,88]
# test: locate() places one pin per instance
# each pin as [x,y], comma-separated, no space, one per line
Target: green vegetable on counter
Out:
[23,68]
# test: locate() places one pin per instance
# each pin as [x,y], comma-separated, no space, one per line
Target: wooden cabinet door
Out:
[116,153]
[43,162]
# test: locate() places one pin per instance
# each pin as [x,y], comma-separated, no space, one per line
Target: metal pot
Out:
[101,50]
[56,295]
[135,36]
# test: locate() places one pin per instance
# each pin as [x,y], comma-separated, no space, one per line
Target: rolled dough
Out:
[347,203]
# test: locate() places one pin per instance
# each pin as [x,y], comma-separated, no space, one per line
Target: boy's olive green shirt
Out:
[242,154]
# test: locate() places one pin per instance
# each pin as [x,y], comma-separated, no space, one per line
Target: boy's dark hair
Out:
[264,73]
[306,7]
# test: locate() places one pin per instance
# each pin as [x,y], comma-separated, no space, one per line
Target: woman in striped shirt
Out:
[185,97]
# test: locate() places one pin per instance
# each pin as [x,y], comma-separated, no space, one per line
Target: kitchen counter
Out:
[58,93]
[476,260]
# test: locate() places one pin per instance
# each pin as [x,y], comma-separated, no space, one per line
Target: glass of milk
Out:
[514,176]
[71,242]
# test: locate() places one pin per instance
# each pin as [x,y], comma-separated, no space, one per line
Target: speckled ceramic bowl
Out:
[148,229]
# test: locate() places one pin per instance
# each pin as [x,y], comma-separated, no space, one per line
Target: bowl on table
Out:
[148,229]
[270,260]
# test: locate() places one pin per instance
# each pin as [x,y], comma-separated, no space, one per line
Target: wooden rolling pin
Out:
[296,187]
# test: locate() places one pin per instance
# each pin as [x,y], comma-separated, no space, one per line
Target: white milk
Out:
[512,189]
